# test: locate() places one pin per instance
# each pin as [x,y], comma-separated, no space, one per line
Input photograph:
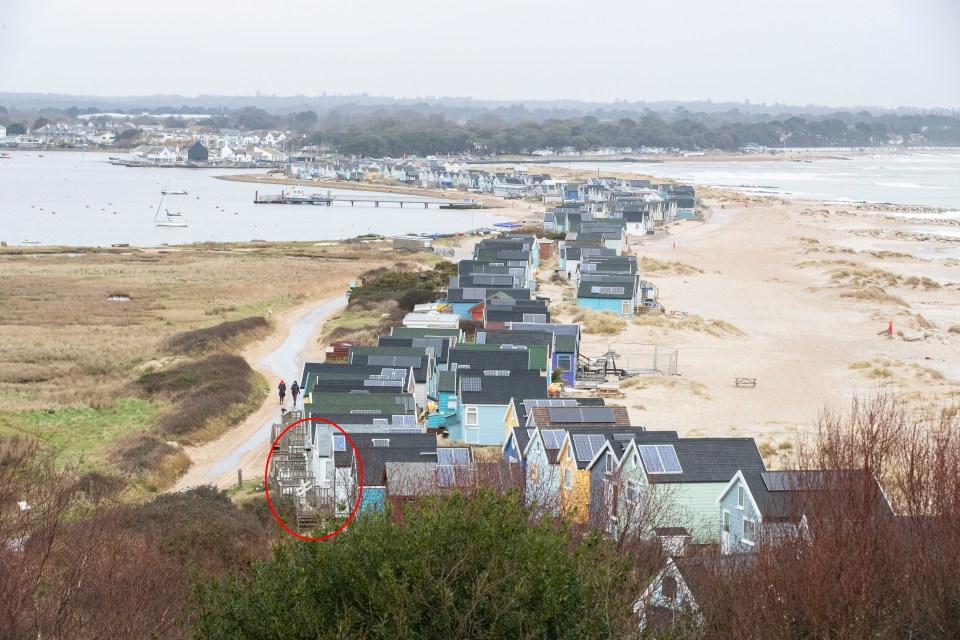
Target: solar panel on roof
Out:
[584,447]
[660,458]
[405,430]
[550,402]
[553,438]
[470,384]
[671,463]
[570,415]
[382,383]
[453,455]
[339,443]
[381,421]
[596,443]
[445,475]
[404,420]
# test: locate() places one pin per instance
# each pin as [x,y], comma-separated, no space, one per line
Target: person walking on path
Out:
[283,391]
[295,391]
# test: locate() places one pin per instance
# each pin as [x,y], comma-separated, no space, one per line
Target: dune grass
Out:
[670,322]
[649,265]
[605,323]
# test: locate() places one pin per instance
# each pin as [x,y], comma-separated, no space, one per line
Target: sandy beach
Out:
[800,297]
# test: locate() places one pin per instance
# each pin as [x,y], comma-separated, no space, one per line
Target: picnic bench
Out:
[609,391]
[745,382]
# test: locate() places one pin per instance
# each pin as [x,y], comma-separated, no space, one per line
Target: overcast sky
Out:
[826,52]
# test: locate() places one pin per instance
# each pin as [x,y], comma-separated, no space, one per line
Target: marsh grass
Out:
[66,349]
[76,433]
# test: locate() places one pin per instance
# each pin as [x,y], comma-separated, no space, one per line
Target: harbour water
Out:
[80,199]
[926,179]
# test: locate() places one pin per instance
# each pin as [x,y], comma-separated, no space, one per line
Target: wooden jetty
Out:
[376,200]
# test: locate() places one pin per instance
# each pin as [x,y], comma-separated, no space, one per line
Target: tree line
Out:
[423,130]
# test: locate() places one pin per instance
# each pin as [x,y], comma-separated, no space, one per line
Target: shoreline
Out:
[493,205]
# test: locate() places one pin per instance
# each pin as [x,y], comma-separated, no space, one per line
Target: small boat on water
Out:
[168,218]
[31,242]
[297,194]
[4,154]
[179,192]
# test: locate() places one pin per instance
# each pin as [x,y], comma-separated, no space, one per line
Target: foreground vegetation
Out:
[80,565]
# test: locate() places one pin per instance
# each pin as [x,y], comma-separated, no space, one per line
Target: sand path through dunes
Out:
[281,356]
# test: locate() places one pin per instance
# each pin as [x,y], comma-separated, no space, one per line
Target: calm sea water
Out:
[80,199]
[919,179]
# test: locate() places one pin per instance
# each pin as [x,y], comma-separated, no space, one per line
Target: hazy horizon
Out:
[820,53]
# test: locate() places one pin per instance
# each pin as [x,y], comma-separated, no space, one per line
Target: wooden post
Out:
[240,478]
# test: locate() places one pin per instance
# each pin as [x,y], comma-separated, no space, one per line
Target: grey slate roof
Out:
[322,404]
[480,359]
[415,357]
[588,289]
[478,294]
[440,346]
[781,496]
[327,372]
[410,332]
[403,447]
[515,337]
[447,381]
[499,390]
[512,314]
[711,459]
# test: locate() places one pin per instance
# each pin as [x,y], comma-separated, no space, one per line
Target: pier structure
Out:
[376,200]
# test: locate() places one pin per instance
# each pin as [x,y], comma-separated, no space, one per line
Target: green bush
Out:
[453,568]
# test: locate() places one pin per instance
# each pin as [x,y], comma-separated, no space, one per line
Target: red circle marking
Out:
[356,507]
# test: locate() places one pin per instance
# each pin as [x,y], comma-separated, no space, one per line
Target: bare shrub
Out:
[218,336]
[216,391]
[878,551]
